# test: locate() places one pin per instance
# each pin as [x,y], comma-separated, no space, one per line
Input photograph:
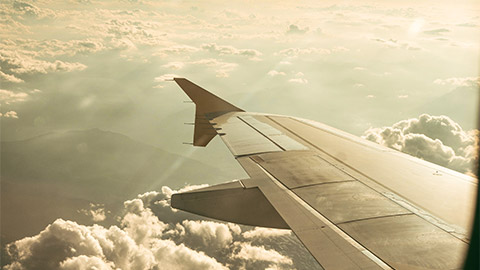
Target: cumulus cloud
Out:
[259,253]
[174,65]
[298,79]
[96,211]
[9,78]
[295,52]
[175,50]
[7,96]
[437,139]
[459,81]
[294,29]
[53,47]
[274,73]
[393,43]
[150,235]
[9,114]
[230,50]
[260,232]
[29,10]
[435,32]
[165,77]
[18,63]
[222,69]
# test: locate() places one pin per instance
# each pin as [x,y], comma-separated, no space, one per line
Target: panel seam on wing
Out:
[332,226]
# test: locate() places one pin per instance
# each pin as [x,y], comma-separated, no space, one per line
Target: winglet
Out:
[207,106]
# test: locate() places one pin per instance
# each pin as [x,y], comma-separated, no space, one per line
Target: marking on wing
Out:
[345,236]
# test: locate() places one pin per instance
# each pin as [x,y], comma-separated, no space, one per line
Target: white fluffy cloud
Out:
[150,235]
[399,44]
[176,50]
[9,78]
[260,232]
[299,80]
[18,63]
[222,69]
[259,253]
[274,73]
[295,52]
[7,96]
[9,114]
[96,211]
[230,50]
[437,139]
[463,81]
[294,29]
[174,65]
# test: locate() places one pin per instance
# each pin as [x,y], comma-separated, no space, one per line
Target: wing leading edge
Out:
[352,203]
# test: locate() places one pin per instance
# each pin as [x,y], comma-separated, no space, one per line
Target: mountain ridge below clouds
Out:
[59,173]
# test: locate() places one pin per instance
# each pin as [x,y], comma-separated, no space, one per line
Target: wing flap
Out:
[231,202]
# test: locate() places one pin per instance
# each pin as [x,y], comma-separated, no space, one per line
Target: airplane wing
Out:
[354,204]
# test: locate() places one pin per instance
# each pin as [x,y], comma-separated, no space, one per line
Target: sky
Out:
[402,73]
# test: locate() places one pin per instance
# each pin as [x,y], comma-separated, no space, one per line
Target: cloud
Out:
[295,52]
[174,65]
[294,29]
[260,232]
[96,211]
[18,63]
[9,114]
[29,10]
[164,78]
[230,50]
[399,44]
[86,262]
[137,244]
[152,235]
[53,47]
[298,78]
[222,69]
[9,78]
[259,253]
[437,139]
[11,26]
[436,32]
[7,96]
[175,50]
[274,73]
[459,81]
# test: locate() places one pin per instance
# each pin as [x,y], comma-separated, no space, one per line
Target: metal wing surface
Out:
[354,204]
